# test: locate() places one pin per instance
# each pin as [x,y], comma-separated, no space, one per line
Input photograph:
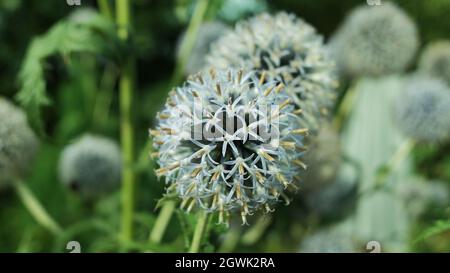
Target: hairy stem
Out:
[126,128]
[35,208]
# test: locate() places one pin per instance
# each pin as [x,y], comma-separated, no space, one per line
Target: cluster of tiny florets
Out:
[423,109]
[91,166]
[287,50]
[232,164]
[18,143]
[375,41]
[435,60]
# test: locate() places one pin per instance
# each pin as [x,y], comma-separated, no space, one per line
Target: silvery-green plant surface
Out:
[91,166]
[207,34]
[375,41]
[420,195]
[18,143]
[422,110]
[232,164]
[330,240]
[288,50]
[323,158]
[435,60]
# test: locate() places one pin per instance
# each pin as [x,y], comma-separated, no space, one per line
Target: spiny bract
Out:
[91,166]
[435,60]
[375,41]
[18,143]
[287,50]
[245,148]
[423,111]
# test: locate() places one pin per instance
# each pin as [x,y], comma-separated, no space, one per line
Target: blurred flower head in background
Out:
[91,166]
[238,167]
[288,50]
[375,41]
[422,111]
[18,143]
[435,60]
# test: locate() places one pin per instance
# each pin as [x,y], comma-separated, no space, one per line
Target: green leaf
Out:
[438,227]
[93,34]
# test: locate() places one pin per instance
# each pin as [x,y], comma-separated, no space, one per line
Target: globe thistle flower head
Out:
[435,60]
[287,50]
[375,41]
[18,143]
[91,166]
[229,141]
[207,34]
[423,111]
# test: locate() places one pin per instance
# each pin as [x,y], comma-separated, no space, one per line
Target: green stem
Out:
[346,106]
[162,221]
[230,241]
[199,231]
[257,231]
[126,128]
[391,165]
[189,42]
[36,210]
[105,9]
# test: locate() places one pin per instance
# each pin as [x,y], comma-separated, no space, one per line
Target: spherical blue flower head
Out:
[423,111]
[18,143]
[375,41]
[229,141]
[91,166]
[287,50]
[435,60]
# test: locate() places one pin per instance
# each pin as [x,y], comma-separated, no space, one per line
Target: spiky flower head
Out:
[229,141]
[435,60]
[207,34]
[423,109]
[287,50]
[91,166]
[375,41]
[18,143]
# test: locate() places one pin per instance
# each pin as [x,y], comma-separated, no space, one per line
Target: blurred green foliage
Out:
[66,72]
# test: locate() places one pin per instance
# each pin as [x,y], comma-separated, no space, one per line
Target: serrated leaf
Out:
[93,34]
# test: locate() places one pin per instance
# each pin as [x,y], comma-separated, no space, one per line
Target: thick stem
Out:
[189,41]
[126,128]
[199,231]
[162,221]
[35,208]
